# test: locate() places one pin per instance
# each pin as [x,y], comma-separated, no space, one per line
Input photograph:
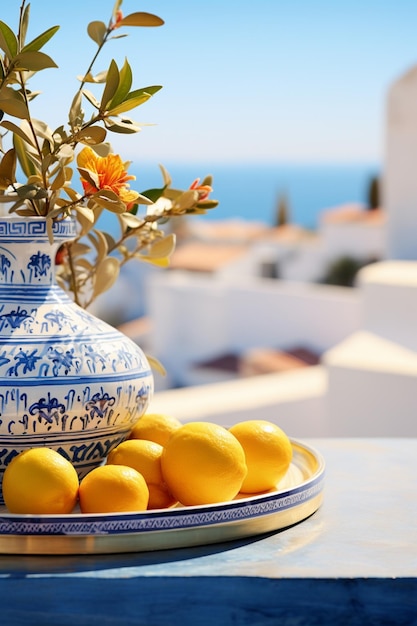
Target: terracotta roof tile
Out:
[205,257]
[352,213]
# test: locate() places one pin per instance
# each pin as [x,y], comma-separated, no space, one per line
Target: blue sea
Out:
[251,191]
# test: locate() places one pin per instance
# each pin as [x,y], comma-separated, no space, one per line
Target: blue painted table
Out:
[353,562]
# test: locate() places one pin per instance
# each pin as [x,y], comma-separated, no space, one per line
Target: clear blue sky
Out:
[264,80]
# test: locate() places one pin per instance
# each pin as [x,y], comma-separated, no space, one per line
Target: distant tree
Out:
[374,200]
[342,271]
[282,216]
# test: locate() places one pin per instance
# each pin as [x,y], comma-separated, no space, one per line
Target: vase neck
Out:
[26,255]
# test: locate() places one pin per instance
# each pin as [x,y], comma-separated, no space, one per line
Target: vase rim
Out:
[27,218]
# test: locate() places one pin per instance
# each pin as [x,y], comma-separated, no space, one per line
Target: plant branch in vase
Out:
[37,170]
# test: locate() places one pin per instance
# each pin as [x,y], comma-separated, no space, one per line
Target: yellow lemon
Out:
[145,457]
[268,454]
[155,427]
[113,489]
[40,481]
[203,463]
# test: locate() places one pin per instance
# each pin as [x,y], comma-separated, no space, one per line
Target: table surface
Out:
[356,556]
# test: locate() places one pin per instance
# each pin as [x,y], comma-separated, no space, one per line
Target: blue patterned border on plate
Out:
[170,519]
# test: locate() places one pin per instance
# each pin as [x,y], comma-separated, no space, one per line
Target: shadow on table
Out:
[15,566]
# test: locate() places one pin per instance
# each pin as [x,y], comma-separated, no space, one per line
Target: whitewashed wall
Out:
[361,240]
[400,180]
[372,374]
[196,318]
[389,301]
[371,388]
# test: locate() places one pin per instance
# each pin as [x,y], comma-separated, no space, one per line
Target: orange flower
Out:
[203,190]
[108,173]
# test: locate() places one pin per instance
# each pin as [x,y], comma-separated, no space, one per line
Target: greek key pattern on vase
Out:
[34,228]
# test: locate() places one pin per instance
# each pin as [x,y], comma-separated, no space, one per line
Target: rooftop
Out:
[352,213]
[197,256]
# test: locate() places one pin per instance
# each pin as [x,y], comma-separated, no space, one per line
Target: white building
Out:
[365,386]
[400,180]
[367,336]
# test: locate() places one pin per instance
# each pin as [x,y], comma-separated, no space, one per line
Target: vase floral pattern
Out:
[67,379]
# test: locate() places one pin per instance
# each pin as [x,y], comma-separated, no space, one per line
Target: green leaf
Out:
[16,130]
[207,204]
[116,7]
[79,248]
[72,194]
[89,176]
[24,24]
[141,19]
[92,135]
[8,41]
[134,99]
[130,221]
[33,61]
[166,176]
[85,217]
[143,200]
[156,365]
[106,275]
[31,192]
[22,154]
[154,194]
[119,36]
[76,115]
[97,31]
[208,180]
[112,83]
[151,89]
[187,200]
[125,83]
[65,154]
[42,130]
[85,264]
[58,210]
[100,244]
[60,179]
[50,229]
[9,197]
[103,149]
[89,78]
[162,248]
[158,261]
[8,169]
[124,126]
[13,104]
[92,100]
[41,40]
[110,240]
[109,200]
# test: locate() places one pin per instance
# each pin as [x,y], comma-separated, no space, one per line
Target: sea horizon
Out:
[251,191]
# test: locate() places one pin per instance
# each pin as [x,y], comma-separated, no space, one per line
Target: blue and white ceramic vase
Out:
[67,379]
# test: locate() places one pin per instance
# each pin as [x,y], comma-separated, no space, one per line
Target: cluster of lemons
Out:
[163,463]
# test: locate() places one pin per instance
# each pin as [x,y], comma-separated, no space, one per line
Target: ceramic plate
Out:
[298,495]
